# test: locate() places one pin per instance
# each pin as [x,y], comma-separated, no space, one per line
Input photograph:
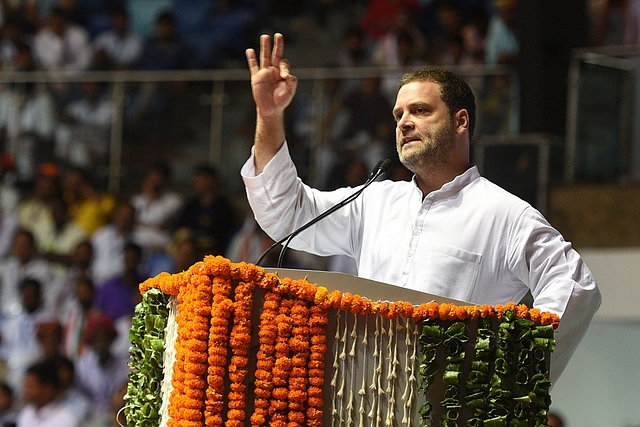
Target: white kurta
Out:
[469,240]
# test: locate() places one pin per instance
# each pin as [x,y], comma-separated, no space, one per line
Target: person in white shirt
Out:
[43,409]
[157,207]
[23,263]
[448,231]
[120,46]
[62,45]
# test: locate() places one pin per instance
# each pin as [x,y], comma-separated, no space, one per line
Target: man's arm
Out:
[273,88]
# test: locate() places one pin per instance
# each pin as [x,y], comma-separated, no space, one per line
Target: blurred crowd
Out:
[71,259]
[72,255]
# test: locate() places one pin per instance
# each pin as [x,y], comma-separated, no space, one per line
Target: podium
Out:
[245,346]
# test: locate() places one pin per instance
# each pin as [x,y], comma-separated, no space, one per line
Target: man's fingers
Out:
[278,49]
[265,42]
[284,66]
[252,61]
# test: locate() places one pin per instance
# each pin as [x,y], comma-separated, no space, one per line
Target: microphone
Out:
[380,168]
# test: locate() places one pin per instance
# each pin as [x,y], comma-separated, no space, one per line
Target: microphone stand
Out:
[380,168]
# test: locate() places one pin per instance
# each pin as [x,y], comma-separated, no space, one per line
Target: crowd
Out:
[71,259]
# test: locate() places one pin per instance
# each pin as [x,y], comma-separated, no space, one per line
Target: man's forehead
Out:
[417,91]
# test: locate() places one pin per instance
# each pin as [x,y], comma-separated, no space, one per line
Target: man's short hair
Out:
[454,91]
[46,372]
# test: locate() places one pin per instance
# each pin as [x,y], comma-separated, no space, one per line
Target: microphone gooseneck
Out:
[381,167]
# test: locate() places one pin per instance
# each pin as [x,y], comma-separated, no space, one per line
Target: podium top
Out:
[367,288]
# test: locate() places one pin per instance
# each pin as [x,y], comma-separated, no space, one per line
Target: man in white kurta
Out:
[448,232]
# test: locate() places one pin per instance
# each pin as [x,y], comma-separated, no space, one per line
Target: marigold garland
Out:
[290,367]
[221,310]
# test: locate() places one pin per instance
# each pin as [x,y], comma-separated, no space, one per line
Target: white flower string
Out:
[363,387]
[336,369]
[376,362]
[408,369]
[413,380]
[343,356]
[352,379]
[380,389]
[392,374]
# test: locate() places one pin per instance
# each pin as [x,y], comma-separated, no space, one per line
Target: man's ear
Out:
[461,121]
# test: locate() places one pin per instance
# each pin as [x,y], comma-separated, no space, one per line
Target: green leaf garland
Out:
[507,383]
[143,397]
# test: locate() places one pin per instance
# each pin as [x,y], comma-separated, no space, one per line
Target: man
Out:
[448,232]
[41,390]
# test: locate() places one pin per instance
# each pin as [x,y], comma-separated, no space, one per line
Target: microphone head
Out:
[380,168]
[385,165]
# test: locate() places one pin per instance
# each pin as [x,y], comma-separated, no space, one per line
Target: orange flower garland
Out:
[282,366]
[239,341]
[186,400]
[221,310]
[292,334]
[299,344]
[318,328]
[267,333]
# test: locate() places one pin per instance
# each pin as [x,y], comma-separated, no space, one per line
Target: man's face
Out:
[425,133]
[36,392]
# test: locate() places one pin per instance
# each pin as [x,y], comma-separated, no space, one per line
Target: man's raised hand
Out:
[272,85]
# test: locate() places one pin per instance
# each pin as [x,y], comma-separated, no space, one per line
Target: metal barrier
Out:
[230,94]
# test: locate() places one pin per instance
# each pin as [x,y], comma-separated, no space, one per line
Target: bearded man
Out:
[448,231]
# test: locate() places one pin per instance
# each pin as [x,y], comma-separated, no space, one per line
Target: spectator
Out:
[502,44]
[41,389]
[118,297]
[165,51]
[78,268]
[69,394]
[79,312]
[156,207]
[82,137]
[249,243]
[391,49]
[369,125]
[98,371]
[57,240]
[9,194]
[36,210]
[119,47]
[88,207]
[23,263]
[354,51]
[62,45]
[20,346]
[380,15]
[109,241]
[8,411]
[181,255]
[12,37]
[8,229]
[49,336]
[208,214]
[27,118]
